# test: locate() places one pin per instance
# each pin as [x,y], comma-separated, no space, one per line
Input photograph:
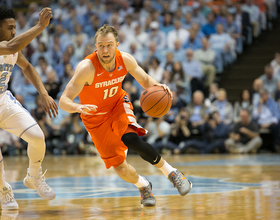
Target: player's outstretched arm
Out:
[22,40]
[139,74]
[31,74]
[84,74]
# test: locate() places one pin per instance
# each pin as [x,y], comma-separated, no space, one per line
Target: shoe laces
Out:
[7,197]
[177,179]
[40,183]
[145,192]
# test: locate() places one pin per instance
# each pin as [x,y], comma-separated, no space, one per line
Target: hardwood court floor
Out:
[230,187]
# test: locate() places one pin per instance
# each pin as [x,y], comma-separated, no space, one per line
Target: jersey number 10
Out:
[110,92]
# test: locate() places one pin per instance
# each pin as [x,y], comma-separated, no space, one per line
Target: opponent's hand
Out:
[165,87]
[44,17]
[85,109]
[49,105]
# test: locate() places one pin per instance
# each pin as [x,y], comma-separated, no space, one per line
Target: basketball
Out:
[155,101]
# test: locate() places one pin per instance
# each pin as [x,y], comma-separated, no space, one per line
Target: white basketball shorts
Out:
[13,117]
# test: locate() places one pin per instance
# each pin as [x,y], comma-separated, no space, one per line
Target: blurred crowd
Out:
[184,44]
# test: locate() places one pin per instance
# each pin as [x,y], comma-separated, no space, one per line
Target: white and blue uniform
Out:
[13,117]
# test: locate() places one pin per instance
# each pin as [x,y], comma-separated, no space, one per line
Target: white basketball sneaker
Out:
[7,198]
[38,183]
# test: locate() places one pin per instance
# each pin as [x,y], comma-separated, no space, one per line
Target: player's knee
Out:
[34,136]
[130,139]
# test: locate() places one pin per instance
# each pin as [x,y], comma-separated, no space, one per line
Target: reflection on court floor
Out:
[113,186]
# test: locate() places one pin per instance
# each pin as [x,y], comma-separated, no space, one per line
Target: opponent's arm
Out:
[83,75]
[139,74]
[22,40]
[31,74]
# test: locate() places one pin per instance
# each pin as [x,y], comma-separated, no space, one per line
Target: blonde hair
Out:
[106,29]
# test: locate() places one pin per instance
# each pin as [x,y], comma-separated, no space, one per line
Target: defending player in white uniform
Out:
[13,117]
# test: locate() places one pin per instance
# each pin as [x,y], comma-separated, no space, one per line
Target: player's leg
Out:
[16,120]
[7,197]
[128,174]
[35,179]
[148,153]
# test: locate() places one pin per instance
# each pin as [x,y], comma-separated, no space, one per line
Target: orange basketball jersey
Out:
[106,88]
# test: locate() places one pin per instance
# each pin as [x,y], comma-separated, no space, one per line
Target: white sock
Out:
[34,169]
[166,169]
[141,182]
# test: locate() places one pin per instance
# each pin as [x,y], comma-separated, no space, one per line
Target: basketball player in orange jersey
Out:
[107,112]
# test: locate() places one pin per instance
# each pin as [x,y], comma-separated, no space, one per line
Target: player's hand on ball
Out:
[85,109]
[165,87]
[44,17]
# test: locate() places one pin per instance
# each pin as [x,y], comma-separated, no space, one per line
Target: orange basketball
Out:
[155,101]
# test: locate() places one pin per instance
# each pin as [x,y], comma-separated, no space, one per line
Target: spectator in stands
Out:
[90,28]
[103,16]
[134,51]
[223,44]
[180,130]
[178,51]
[43,68]
[177,104]
[141,37]
[196,28]
[206,57]
[157,36]
[168,61]
[267,115]
[233,30]
[198,111]
[277,93]
[221,17]
[269,80]
[182,82]
[210,27]
[245,136]
[197,16]
[193,69]
[42,51]
[155,70]
[275,63]
[245,102]
[167,25]
[131,90]
[193,42]
[223,107]
[178,33]
[257,86]
[242,19]
[71,52]
[187,23]
[64,37]
[52,84]
[204,9]
[124,42]
[215,132]
[21,23]
[254,13]
[79,48]
[126,9]
[159,130]
[78,33]
[149,54]
[213,94]
[128,26]
[56,50]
